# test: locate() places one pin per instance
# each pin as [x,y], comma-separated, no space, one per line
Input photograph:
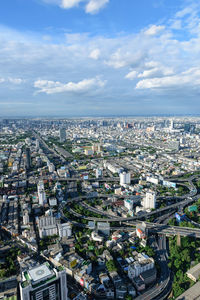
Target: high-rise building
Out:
[125,178]
[41,193]
[25,218]
[171,126]
[64,230]
[150,200]
[128,203]
[51,168]
[44,283]
[99,173]
[28,141]
[62,133]
[37,144]
[28,158]
[103,228]
[47,226]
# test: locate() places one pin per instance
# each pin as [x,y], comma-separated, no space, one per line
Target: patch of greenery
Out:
[180,262]
[9,268]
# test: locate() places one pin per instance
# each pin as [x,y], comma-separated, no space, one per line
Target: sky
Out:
[99,57]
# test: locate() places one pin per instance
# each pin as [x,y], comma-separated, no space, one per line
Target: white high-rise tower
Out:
[171,126]
[150,200]
[41,193]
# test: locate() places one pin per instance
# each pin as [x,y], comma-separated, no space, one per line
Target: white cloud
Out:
[186,11]
[154,30]
[151,64]
[158,71]
[152,69]
[93,6]
[75,38]
[94,54]
[16,81]
[53,87]
[190,78]
[66,4]
[125,56]
[131,75]
[187,19]
[122,58]
[176,24]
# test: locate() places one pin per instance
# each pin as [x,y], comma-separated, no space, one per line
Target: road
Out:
[153,227]
[138,217]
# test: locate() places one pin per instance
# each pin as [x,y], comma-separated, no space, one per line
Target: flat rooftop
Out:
[194,271]
[41,272]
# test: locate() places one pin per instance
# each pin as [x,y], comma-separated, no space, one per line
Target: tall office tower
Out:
[150,200]
[43,283]
[41,193]
[62,133]
[28,158]
[104,123]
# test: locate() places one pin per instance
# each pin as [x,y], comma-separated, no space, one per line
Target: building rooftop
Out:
[194,272]
[41,272]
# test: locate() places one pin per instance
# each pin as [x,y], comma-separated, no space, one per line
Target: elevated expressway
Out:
[138,217]
[152,227]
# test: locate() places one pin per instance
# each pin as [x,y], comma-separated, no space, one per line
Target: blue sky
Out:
[99,57]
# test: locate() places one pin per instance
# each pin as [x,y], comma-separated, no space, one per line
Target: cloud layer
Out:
[154,69]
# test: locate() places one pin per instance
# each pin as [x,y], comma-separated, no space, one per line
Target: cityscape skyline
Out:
[99,58]
[99,150]
[100,208]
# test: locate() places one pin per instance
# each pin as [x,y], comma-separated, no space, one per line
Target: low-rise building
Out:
[140,266]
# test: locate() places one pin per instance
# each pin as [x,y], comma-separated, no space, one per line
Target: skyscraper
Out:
[150,200]
[43,283]
[41,193]
[62,133]
[37,144]
[125,178]
[28,158]
[171,126]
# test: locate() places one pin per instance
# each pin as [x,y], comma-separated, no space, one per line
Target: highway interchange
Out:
[163,288]
[164,285]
